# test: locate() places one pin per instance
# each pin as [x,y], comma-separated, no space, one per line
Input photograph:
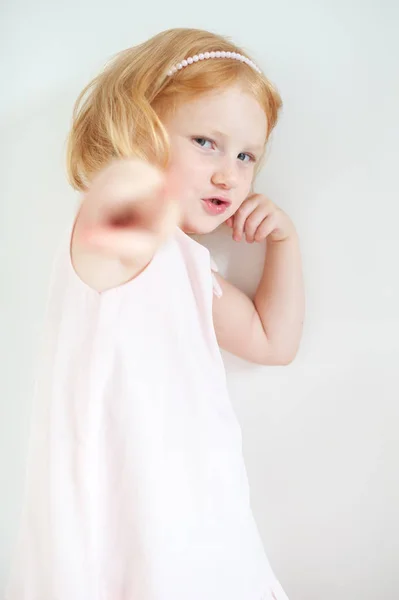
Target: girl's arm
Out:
[268,329]
[124,217]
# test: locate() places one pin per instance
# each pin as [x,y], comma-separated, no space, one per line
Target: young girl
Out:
[137,488]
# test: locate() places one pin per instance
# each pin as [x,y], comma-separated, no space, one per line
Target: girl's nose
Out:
[225,176]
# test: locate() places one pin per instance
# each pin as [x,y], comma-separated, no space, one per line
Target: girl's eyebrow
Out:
[255,148]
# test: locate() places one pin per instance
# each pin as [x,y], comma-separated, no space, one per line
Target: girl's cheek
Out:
[174,186]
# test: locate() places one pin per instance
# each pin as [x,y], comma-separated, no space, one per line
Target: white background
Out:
[320,436]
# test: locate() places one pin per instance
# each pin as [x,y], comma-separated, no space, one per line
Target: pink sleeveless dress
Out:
[136,486]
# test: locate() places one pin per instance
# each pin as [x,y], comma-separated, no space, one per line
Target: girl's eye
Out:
[244,157]
[203,142]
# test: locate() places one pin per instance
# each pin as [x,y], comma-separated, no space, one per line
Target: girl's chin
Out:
[191,228]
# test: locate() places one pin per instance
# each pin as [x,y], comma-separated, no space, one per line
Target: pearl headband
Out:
[218,54]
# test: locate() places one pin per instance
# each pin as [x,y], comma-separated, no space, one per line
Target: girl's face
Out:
[216,142]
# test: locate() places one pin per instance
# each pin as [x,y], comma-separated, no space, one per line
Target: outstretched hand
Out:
[127,212]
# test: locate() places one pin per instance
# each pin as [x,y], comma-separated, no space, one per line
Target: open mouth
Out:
[216,205]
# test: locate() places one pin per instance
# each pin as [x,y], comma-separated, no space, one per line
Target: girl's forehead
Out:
[227,111]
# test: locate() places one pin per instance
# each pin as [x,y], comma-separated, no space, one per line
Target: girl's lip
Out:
[216,209]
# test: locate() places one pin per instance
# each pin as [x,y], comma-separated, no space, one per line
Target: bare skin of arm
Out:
[124,217]
[268,329]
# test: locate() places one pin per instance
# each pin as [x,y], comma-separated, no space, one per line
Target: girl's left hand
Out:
[258,218]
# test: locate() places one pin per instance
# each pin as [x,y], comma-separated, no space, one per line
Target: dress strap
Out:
[217,290]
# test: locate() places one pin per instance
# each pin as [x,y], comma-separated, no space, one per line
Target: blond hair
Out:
[119,113]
